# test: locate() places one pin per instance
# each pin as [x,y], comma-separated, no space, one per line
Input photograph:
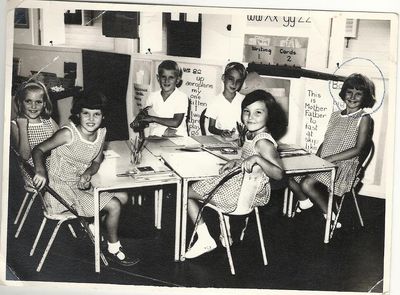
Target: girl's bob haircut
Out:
[360,82]
[33,86]
[171,65]
[276,119]
[88,99]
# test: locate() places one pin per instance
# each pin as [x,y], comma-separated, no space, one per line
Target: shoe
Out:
[299,209]
[222,240]
[121,258]
[201,247]
[338,224]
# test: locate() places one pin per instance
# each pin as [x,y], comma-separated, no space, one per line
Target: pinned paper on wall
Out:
[276,50]
[142,70]
[318,107]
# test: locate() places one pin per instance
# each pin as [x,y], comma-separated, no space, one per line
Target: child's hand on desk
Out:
[84,181]
[169,132]
[39,180]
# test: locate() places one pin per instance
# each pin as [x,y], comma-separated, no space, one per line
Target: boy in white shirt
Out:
[169,106]
[224,110]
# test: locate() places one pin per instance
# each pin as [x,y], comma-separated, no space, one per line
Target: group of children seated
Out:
[66,158]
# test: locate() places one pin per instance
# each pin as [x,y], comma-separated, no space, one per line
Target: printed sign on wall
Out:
[275,50]
[200,83]
[318,106]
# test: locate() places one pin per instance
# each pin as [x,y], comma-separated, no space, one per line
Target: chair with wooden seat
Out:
[245,206]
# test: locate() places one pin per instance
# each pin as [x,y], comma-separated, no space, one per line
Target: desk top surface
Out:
[118,162]
[187,164]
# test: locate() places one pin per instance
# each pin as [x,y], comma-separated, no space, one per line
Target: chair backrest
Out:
[204,123]
[366,156]
[250,186]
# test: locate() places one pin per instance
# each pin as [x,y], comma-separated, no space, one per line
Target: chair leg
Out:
[228,247]
[246,222]
[38,236]
[333,227]
[260,234]
[357,208]
[28,208]
[21,207]
[71,229]
[46,251]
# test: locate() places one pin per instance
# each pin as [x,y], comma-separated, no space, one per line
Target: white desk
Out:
[192,166]
[106,180]
[308,164]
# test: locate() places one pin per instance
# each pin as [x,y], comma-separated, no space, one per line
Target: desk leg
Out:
[184,218]
[96,230]
[330,203]
[178,220]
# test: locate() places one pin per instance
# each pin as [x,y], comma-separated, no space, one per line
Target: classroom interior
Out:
[299,56]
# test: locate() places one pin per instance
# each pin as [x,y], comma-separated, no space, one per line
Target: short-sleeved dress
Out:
[37,133]
[67,164]
[341,135]
[227,195]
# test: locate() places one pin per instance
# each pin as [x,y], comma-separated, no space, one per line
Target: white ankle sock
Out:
[114,247]
[305,204]
[202,231]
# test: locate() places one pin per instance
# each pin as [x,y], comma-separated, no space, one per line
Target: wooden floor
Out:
[297,257]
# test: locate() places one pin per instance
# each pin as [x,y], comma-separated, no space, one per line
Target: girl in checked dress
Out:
[76,154]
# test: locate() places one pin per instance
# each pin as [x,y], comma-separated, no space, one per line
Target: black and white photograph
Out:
[191,148]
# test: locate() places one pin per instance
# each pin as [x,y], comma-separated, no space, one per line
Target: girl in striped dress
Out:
[349,132]
[33,123]
[264,120]
[76,154]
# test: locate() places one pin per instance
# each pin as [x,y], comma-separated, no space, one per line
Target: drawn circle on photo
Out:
[372,69]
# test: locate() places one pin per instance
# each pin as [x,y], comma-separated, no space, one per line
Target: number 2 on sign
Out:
[289,58]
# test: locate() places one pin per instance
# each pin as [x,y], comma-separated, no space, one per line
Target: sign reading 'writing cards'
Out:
[318,106]
[201,83]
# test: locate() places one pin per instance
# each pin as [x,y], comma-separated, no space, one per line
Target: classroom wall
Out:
[219,45]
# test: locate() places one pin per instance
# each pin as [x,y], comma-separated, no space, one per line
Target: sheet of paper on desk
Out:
[293,153]
[108,154]
[184,141]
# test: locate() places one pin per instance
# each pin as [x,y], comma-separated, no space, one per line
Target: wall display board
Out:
[276,50]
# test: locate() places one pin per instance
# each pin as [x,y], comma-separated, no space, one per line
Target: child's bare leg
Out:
[309,185]
[193,205]
[205,243]
[122,197]
[296,189]
[113,209]
[116,253]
